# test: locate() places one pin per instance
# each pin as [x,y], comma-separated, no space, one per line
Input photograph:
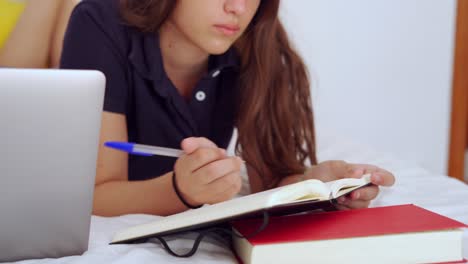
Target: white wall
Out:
[382,71]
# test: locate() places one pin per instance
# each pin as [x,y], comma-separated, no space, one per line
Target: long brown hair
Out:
[274,117]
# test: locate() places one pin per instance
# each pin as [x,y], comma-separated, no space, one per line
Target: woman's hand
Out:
[205,175]
[337,169]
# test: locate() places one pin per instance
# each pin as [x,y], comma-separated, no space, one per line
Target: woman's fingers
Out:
[383,178]
[225,187]
[379,176]
[200,157]
[357,170]
[366,193]
[359,198]
[350,204]
[205,174]
[217,169]
[191,144]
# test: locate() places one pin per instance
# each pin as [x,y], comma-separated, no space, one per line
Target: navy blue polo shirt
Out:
[138,87]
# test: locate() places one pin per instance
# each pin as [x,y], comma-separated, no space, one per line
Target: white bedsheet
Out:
[415,185]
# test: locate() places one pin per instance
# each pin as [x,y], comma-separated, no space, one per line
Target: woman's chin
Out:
[218,47]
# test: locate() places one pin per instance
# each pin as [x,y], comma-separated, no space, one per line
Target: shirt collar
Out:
[145,56]
[227,61]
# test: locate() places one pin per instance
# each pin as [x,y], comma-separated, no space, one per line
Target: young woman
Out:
[184,74]
[31,32]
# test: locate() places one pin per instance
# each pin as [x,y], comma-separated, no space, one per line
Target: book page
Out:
[301,191]
[225,210]
[342,186]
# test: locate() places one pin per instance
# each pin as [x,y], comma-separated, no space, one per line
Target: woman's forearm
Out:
[29,43]
[155,196]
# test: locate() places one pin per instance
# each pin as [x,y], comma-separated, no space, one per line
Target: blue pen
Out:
[144,150]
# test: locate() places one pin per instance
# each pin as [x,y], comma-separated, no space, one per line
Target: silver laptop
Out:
[49,136]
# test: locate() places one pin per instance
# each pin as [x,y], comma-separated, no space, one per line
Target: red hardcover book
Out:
[392,234]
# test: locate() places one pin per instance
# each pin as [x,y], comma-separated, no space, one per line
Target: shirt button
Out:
[215,73]
[200,95]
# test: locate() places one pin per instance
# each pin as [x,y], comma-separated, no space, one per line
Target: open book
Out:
[299,197]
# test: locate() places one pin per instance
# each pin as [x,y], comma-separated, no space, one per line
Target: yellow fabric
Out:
[10,12]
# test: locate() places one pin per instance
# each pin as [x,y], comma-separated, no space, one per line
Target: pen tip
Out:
[111,144]
[119,145]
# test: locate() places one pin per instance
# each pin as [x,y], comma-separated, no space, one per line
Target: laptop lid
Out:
[49,136]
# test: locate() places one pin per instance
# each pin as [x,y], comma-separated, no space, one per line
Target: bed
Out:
[438,193]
